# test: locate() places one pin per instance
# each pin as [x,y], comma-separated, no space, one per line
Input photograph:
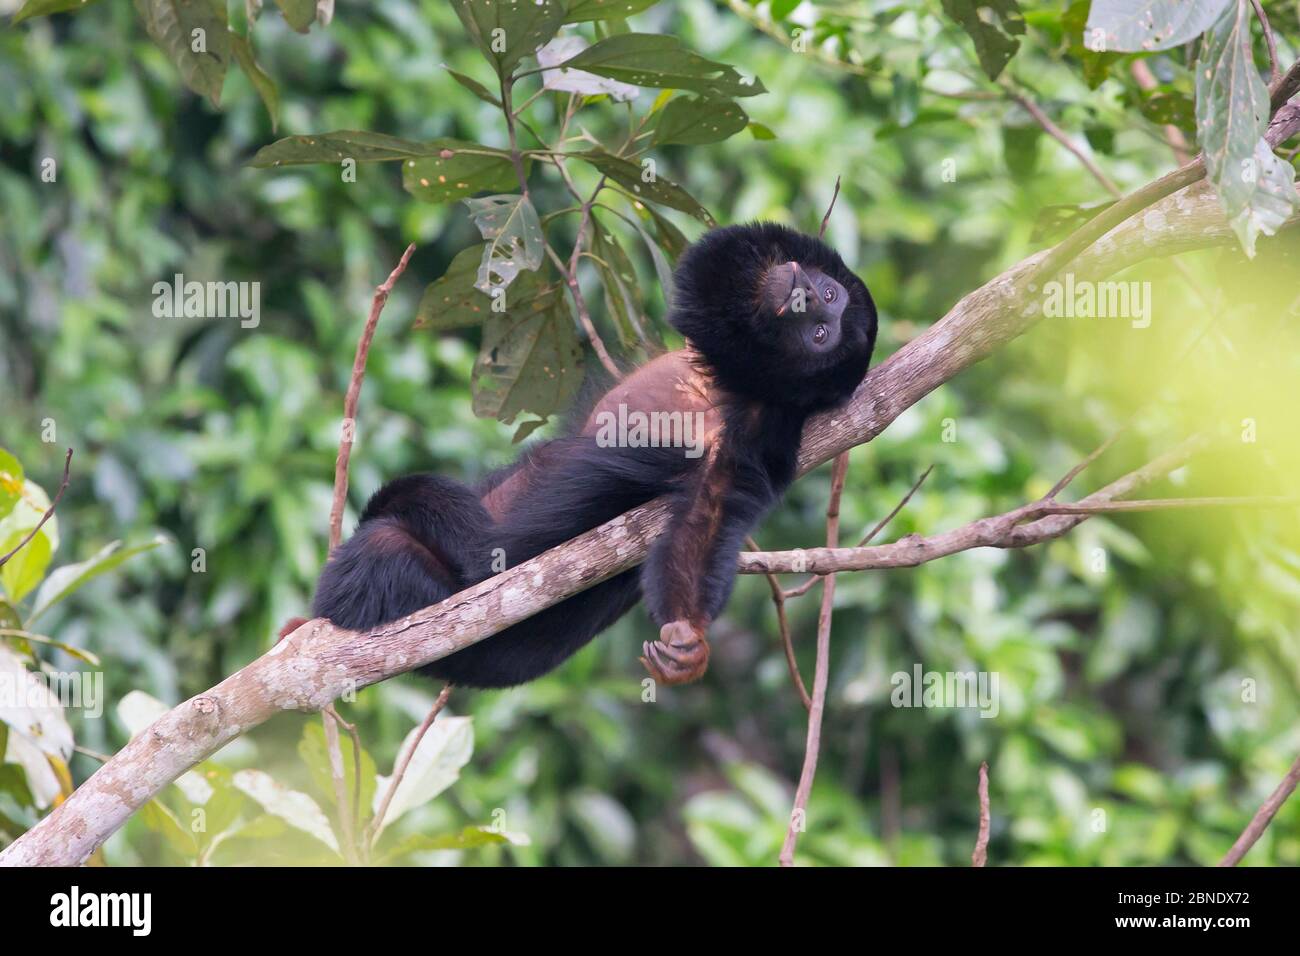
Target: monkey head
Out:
[776,315]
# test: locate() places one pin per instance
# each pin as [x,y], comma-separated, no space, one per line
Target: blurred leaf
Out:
[11,482]
[193,34]
[157,817]
[41,8]
[295,808]
[1055,222]
[265,86]
[31,708]
[314,752]
[68,578]
[299,14]
[24,570]
[467,839]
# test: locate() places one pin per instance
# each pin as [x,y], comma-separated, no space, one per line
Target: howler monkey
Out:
[777,327]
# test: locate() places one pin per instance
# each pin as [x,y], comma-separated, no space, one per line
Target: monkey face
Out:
[807,301]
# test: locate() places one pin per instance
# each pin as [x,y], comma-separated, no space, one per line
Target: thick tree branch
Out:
[319,662]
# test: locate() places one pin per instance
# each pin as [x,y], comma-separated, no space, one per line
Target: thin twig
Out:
[870,535]
[49,512]
[821,233]
[1147,81]
[783,623]
[353,394]
[821,671]
[399,769]
[1275,70]
[1074,472]
[980,856]
[1058,134]
[1263,816]
[349,808]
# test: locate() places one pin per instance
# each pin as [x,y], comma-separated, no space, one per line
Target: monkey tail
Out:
[421,538]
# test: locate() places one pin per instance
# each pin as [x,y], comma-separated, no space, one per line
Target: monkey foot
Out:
[680,656]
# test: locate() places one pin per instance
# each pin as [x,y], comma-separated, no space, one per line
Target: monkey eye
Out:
[819,333]
[829,294]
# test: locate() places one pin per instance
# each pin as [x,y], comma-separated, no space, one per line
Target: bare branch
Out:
[354,394]
[49,512]
[980,856]
[1263,816]
[1058,134]
[1274,70]
[821,671]
[821,233]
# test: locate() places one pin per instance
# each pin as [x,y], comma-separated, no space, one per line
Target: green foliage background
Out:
[1121,684]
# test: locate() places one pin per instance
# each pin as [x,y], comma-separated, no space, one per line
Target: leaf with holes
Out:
[655,188]
[455,173]
[452,301]
[1256,190]
[530,359]
[993,25]
[695,120]
[193,34]
[513,232]
[506,31]
[1140,26]
[662,62]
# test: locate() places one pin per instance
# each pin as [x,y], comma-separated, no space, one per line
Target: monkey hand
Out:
[681,654]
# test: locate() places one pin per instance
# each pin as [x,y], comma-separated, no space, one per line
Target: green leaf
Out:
[300,14]
[993,25]
[454,174]
[467,839]
[11,482]
[658,189]
[662,62]
[1141,26]
[359,145]
[581,10]
[1256,189]
[617,279]
[434,766]
[24,570]
[514,237]
[42,8]
[293,807]
[315,754]
[66,579]
[157,817]
[670,237]
[193,34]
[530,358]
[474,86]
[452,301]
[265,86]
[1020,149]
[694,120]
[506,31]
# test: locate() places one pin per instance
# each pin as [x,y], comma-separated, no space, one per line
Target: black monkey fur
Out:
[778,328]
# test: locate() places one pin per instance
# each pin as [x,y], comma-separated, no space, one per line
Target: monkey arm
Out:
[690,570]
